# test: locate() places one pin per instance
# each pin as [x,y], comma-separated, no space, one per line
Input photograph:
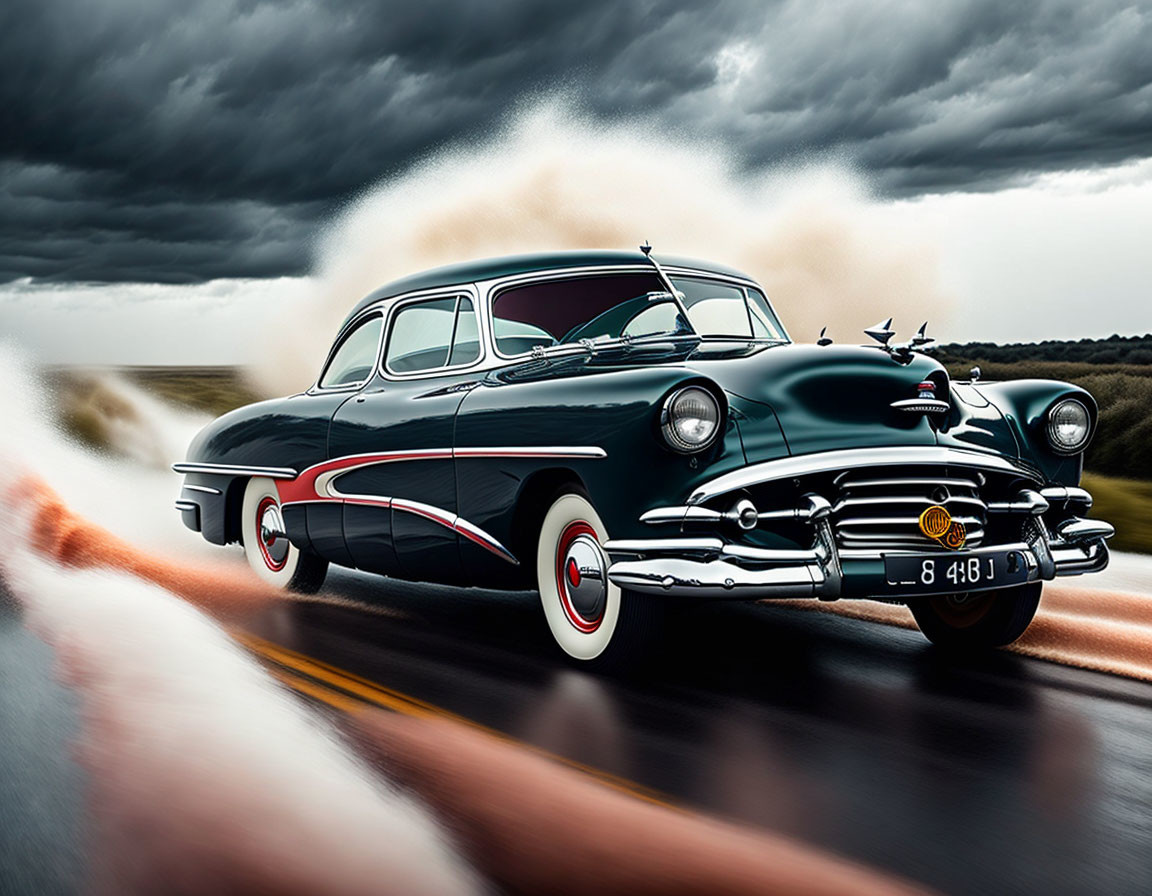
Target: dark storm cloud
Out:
[181,141]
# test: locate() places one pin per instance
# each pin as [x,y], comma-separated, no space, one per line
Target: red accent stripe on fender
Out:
[316,484]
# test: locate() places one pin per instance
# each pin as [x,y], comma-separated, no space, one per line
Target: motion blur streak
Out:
[69,540]
[202,772]
[1076,626]
[114,414]
[553,181]
[534,826]
[127,497]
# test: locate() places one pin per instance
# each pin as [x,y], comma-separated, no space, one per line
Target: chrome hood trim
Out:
[845,459]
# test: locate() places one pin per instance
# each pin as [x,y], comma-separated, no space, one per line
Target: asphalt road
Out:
[999,775]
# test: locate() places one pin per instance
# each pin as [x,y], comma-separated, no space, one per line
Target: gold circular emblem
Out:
[935,521]
[955,536]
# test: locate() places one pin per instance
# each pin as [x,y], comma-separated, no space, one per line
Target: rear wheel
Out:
[592,620]
[977,620]
[270,554]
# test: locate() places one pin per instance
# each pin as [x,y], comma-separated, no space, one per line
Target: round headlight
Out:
[1069,424]
[690,419]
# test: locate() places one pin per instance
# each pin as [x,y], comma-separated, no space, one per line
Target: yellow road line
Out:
[347,692]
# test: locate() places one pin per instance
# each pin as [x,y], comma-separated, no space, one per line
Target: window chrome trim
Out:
[837,461]
[316,388]
[483,292]
[490,289]
[467,291]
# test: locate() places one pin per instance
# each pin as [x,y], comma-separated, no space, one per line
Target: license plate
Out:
[948,573]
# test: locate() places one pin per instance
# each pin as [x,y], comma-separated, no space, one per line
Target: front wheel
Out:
[977,620]
[592,620]
[270,554]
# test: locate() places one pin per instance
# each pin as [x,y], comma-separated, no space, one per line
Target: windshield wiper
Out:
[677,296]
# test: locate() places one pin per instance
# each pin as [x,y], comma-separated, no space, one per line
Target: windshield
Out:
[634,305]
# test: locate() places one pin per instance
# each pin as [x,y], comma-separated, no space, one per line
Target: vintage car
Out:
[620,434]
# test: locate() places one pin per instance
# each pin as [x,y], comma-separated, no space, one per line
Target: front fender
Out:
[616,411]
[1024,405]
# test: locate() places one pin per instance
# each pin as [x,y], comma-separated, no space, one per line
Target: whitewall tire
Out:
[591,620]
[270,554]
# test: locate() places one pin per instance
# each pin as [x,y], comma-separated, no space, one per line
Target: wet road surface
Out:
[998,775]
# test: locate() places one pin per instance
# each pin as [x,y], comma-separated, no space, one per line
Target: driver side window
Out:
[433,335]
[353,361]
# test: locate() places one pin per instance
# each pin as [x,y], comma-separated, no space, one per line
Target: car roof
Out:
[510,265]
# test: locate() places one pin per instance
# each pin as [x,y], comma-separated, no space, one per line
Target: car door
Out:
[303,427]
[399,494]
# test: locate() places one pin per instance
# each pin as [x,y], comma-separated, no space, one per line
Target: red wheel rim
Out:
[568,573]
[265,545]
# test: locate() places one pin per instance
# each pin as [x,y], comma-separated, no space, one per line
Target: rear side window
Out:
[433,335]
[355,357]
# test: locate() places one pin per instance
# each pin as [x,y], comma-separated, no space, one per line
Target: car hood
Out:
[833,397]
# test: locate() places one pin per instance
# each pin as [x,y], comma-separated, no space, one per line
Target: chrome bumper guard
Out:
[713,568]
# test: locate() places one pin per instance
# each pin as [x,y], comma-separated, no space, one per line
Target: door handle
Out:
[360,398]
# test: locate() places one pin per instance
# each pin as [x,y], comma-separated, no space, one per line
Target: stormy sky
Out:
[178,142]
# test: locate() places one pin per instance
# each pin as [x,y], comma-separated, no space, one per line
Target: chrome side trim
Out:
[445,518]
[590,451]
[833,461]
[436,514]
[187,505]
[236,470]
[208,490]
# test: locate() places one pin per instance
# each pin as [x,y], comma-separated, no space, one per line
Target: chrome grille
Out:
[874,511]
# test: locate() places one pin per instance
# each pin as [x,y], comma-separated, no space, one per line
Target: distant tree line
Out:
[1113,350]
[1116,371]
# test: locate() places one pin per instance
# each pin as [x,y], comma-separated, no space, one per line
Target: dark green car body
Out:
[440,476]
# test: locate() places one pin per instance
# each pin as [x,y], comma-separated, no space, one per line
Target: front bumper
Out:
[825,575]
[1039,523]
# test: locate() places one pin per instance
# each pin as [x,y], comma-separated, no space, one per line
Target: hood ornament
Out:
[882,332]
[921,342]
[901,351]
[824,340]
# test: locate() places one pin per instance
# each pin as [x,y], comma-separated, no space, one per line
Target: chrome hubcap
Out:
[584,577]
[273,535]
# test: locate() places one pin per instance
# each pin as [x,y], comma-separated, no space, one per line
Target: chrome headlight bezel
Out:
[1051,424]
[674,438]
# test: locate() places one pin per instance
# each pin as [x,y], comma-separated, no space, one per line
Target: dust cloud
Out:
[824,249]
